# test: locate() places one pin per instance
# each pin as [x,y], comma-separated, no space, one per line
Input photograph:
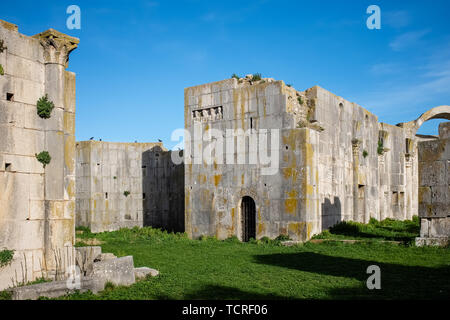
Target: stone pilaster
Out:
[60,143]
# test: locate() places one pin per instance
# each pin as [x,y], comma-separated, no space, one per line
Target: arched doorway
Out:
[248,218]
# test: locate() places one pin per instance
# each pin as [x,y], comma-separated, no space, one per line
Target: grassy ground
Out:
[212,269]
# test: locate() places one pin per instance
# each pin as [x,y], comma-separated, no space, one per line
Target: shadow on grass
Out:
[397,281]
[218,292]
[377,232]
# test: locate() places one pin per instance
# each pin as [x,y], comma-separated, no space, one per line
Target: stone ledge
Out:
[55,289]
[437,241]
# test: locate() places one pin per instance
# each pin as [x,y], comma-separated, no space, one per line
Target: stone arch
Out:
[441,112]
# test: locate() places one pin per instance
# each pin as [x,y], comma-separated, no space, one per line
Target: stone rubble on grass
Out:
[142,272]
[96,269]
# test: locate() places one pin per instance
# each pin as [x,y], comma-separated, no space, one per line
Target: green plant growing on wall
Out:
[115,177]
[126,193]
[300,100]
[234,75]
[45,107]
[365,153]
[44,158]
[256,77]
[2,72]
[380,148]
[6,257]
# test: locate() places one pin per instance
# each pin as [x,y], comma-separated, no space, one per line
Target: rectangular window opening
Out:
[8,167]
[10,96]
[106,195]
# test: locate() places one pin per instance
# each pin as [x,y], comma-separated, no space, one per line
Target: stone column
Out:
[59,179]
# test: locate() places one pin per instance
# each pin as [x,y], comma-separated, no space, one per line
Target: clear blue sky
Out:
[136,57]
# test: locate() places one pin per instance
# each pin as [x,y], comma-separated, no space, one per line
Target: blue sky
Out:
[136,57]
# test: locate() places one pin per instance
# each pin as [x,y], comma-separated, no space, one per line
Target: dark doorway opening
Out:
[248,216]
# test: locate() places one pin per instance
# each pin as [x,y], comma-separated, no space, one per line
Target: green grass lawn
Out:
[213,269]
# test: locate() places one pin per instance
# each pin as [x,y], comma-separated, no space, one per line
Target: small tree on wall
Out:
[2,72]
[44,158]
[45,107]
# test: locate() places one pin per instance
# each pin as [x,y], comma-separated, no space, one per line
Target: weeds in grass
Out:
[6,257]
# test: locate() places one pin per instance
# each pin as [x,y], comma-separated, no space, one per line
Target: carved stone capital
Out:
[57,46]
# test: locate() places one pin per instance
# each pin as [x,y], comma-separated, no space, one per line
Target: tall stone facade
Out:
[434,188]
[122,185]
[336,161]
[37,203]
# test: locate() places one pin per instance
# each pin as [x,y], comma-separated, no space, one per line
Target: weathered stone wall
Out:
[163,186]
[286,202]
[37,204]
[434,187]
[332,167]
[108,170]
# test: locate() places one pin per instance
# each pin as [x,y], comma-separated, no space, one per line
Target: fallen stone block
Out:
[290,243]
[55,289]
[429,241]
[142,272]
[85,257]
[106,256]
[119,271]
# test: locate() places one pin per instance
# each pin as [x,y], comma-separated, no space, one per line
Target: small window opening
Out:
[143,196]
[106,195]
[251,123]
[8,166]
[10,96]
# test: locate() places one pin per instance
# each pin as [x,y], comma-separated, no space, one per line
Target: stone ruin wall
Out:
[214,191]
[357,180]
[331,168]
[434,188]
[37,205]
[108,170]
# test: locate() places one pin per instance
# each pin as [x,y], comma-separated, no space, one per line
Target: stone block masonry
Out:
[123,185]
[336,161]
[37,203]
[434,188]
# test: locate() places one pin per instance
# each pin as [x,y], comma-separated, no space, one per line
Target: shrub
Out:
[5,295]
[2,72]
[256,77]
[299,99]
[6,257]
[283,237]
[234,75]
[126,193]
[233,239]
[44,158]
[380,148]
[289,85]
[45,107]
[365,153]
[109,286]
